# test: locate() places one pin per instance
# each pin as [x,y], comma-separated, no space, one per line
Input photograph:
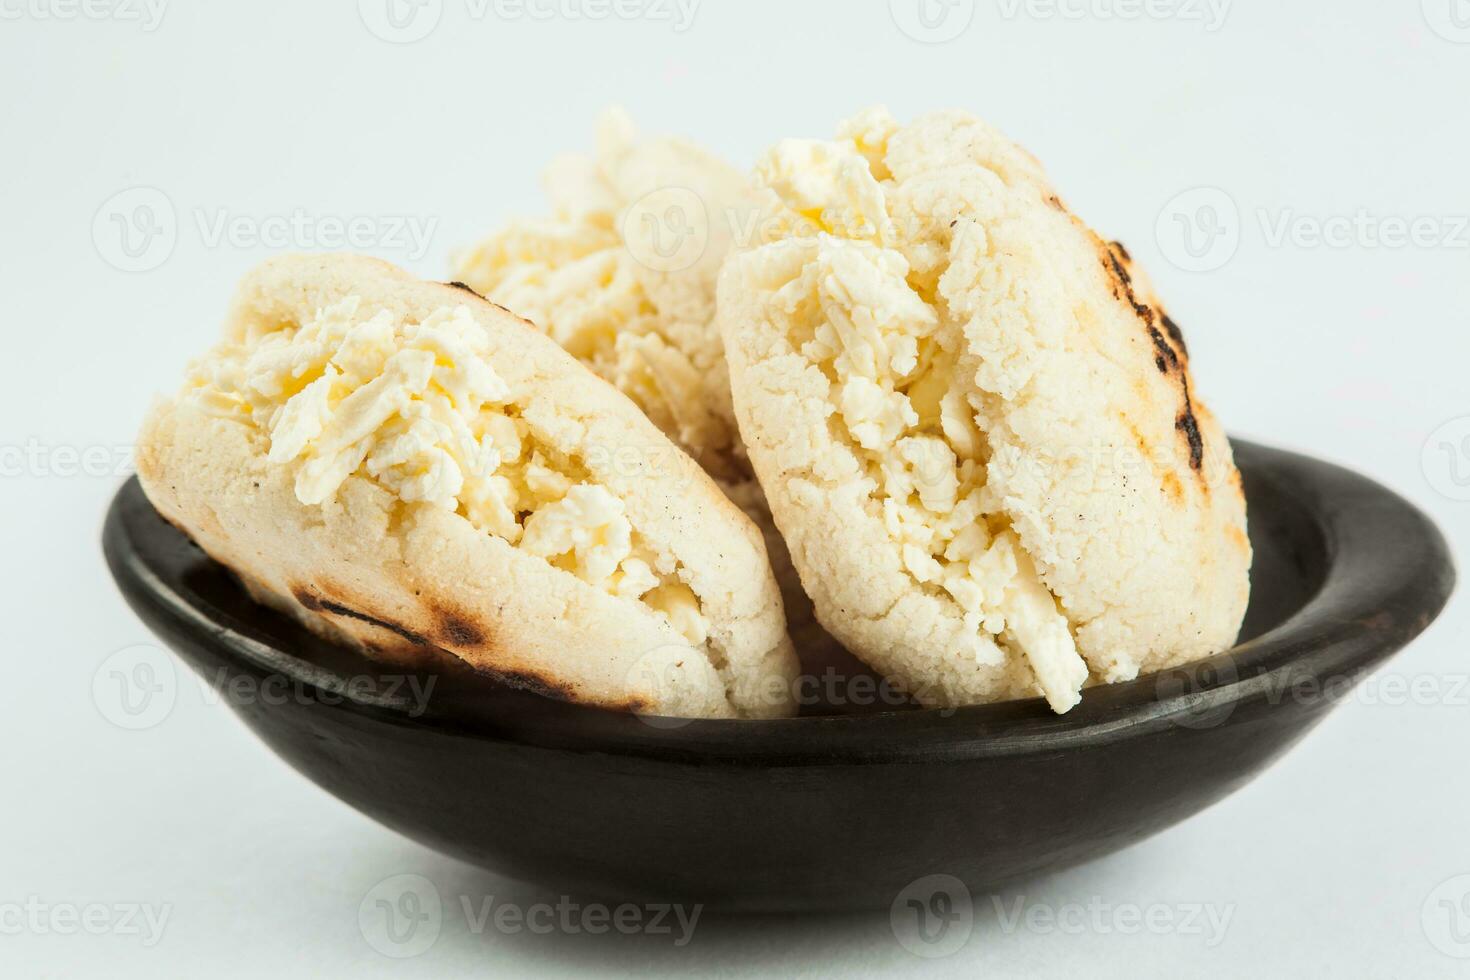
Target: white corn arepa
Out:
[622,275]
[975,424]
[408,466]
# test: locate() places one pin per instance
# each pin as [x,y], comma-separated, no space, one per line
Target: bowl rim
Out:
[1388,575]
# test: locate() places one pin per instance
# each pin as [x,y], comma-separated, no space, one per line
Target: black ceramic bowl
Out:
[815,812]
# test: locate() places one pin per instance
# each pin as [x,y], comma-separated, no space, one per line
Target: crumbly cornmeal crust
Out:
[622,275]
[408,466]
[974,422]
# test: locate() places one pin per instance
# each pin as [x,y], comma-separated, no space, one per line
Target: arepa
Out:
[974,422]
[409,467]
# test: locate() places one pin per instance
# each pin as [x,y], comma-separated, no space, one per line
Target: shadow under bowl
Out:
[818,812]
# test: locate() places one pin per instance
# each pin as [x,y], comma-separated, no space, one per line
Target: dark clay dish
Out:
[829,810]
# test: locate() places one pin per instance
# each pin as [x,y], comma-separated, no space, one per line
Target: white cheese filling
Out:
[622,276]
[847,295]
[419,408]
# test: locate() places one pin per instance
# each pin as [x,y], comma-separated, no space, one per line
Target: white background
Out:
[1303,112]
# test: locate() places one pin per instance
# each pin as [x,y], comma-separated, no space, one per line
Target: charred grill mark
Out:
[506,309]
[456,284]
[1186,422]
[1175,334]
[547,687]
[456,630]
[1120,274]
[550,687]
[1117,257]
[1189,425]
[1165,357]
[337,609]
